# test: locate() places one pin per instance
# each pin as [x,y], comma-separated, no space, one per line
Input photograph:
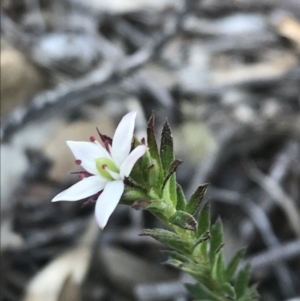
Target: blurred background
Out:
[226,74]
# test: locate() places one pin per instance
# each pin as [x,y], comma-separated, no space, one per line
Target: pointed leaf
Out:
[194,202]
[152,145]
[198,271]
[216,240]
[242,281]
[180,205]
[155,175]
[173,168]
[199,291]
[169,182]
[184,220]
[204,220]
[218,269]
[204,249]
[168,192]
[228,290]
[139,172]
[159,215]
[172,189]
[148,204]
[170,239]
[233,264]
[177,256]
[166,148]
[131,195]
[201,239]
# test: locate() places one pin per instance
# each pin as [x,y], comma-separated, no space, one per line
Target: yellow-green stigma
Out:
[103,164]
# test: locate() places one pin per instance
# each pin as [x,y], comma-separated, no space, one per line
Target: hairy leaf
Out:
[152,145]
[194,202]
[184,220]
[172,170]
[242,281]
[204,220]
[131,195]
[233,264]
[166,148]
[218,269]
[170,239]
[198,271]
[138,173]
[181,201]
[216,240]
[228,290]
[177,256]
[199,291]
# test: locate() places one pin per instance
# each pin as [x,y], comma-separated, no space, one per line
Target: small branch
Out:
[271,257]
[278,195]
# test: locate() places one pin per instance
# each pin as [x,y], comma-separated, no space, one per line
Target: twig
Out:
[278,195]
[271,257]
[81,90]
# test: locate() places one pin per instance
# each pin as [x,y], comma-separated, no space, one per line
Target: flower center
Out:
[105,165]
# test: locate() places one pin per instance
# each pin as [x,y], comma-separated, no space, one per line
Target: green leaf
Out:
[218,269]
[172,189]
[203,249]
[150,204]
[181,201]
[170,239]
[169,183]
[204,220]
[233,264]
[194,202]
[131,195]
[216,240]
[177,256]
[184,220]
[154,175]
[242,281]
[152,146]
[138,173]
[169,192]
[158,214]
[166,148]
[153,193]
[198,271]
[199,291]
[228,290]
[203,238]
[172,170]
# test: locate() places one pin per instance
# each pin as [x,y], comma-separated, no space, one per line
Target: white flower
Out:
[106,168]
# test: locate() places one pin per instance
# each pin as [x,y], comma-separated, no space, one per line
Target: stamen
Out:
[143,141]
[93,139]
[104,166]
[78,162]
[98,143]
[105,140]
[85,173]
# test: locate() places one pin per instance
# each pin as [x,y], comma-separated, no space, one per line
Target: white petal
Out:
[129,162]
[87,152]
[83,189]
[108,201]
[122,138]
